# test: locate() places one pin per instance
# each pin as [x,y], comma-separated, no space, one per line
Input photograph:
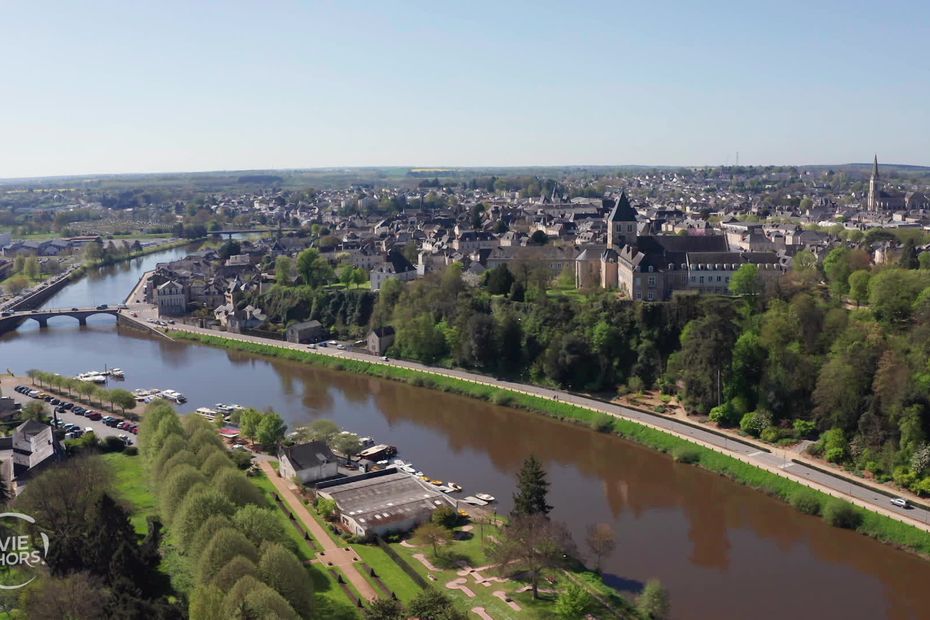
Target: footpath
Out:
[340,557]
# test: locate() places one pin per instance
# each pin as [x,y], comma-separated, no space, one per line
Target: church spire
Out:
[875,167]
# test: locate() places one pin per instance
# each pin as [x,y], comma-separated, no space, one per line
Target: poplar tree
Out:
[532,487]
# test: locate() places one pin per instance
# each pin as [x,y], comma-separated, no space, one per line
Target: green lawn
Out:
[133,487]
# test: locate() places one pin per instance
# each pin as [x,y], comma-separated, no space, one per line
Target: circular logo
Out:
[17,551]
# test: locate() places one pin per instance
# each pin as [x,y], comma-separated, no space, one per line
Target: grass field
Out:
[133,487]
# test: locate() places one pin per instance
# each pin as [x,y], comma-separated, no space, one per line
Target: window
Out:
[639,294]
[702,279]
[652,281]
[629,228]
[718,278]
[651,296]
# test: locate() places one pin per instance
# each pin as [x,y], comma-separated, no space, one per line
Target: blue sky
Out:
[95,87]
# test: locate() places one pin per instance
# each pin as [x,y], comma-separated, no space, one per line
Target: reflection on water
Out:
[723,550]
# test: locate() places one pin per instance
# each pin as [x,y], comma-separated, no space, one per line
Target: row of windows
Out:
[724,279]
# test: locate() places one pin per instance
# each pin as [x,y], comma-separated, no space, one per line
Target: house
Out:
[380,339]
[171,298]
[381,502]
[308,462]
[308,331]
[33,443]
[395,266]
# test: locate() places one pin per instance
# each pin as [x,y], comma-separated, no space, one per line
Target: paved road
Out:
[774,462]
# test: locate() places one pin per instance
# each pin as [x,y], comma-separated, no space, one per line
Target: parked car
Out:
[93,415]
[54,402]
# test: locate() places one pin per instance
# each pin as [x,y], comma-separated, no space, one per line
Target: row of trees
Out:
[242,559]
[116,397]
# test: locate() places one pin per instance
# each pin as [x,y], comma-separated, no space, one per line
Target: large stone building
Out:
[881,199]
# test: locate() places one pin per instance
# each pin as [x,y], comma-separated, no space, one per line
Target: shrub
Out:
[635,384]
[659,408]
[834,446]
[922,488]
[724,415]
[904,477]
[753,423]
[805,501]
[573,602]
[131,451]
[602,423]
[805,429]
[502,398]
[686,454]
[834,455]
[445,516]
[653,603]
[771,434]
[842,514]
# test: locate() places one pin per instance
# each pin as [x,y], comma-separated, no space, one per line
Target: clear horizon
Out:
[107,88]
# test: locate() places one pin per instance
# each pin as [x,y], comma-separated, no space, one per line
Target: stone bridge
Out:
[14,319]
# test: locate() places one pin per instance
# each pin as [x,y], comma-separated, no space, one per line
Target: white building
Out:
[308,462]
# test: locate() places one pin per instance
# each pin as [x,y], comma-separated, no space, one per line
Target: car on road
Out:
[74,309]
[385,358]
[6,313]
[341,347]
[102,307]
[900,502]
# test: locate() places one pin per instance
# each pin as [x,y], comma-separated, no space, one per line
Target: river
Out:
[724,551]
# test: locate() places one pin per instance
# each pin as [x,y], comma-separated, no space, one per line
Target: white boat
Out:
[399,462]
[485,497]
[408,469]
[91,377]
[117,373]
[206,412]
[444,488]
[455,487]
[474,501]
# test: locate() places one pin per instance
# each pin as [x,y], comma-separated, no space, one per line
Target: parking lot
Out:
[100,429]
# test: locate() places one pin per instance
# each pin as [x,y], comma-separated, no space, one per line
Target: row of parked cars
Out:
[62,406]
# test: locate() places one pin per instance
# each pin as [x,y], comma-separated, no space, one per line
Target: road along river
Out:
[723,550]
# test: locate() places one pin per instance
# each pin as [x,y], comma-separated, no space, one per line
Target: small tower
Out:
[621,223]
[874,186]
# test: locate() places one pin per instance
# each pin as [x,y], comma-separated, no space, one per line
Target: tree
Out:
[653,602]
[233,484]
[173,489]
[431,604]
[347,444]
[31,268]
[532,488]
[260,525]
[16,284]
[532,544]
[909,258]
[121,398]
[250,598]
[859,286]
[281,570]
[499,280]
[746,281]
[271,430]
[318,430]
[346,274]
[573,602]
[198,505]
[78,595]
[601,541]
[313,268]
[229,248]
[35,410]
[283,270]
[223,546]
[539,237]
[249,419]
[384,609]
[359,276]
[446,516]
[432,534]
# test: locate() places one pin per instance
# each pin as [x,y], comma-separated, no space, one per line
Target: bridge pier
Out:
[43,322]
[82,321]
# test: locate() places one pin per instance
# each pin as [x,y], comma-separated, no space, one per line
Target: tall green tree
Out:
[532,489]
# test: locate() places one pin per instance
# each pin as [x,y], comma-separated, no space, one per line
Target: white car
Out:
[341,347]
[900,502]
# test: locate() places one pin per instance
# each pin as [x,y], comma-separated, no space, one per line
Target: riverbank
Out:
[688,445]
